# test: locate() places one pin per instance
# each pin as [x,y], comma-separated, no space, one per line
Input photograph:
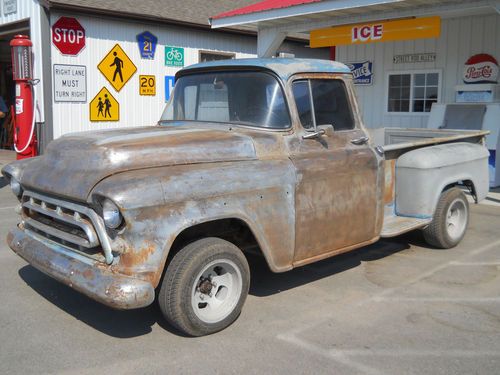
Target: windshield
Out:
[248,98]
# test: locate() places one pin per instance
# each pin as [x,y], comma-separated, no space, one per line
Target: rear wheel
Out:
[450,221]
[205,287]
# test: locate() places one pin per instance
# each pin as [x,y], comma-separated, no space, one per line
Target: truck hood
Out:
[74,164]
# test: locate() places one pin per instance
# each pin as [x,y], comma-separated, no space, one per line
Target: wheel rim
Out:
[216,290]
[456,219]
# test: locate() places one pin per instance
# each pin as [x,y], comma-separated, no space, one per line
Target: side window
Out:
[330,103]
[303,103]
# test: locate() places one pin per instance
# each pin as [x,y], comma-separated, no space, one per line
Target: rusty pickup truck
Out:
[266,156]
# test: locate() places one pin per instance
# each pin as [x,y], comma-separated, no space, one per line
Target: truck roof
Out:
[283,67]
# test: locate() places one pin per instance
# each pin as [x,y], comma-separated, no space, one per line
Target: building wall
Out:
[101,36]
[460,38]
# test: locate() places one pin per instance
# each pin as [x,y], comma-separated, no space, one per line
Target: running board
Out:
[395,225]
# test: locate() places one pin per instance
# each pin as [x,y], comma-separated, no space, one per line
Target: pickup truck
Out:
[266,156]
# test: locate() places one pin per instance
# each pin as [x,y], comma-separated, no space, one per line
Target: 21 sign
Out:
[147,45]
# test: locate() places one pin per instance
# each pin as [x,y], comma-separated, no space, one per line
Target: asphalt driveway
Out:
[391,308]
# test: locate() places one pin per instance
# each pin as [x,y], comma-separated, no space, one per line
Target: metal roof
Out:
[264,5]
[302,16]
[189,12]
[283,67]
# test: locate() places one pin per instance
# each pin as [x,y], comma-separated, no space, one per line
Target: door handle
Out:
[360,141]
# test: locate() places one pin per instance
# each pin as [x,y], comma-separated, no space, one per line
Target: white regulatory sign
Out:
[70,83]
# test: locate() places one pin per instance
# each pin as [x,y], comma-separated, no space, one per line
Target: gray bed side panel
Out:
[422,174]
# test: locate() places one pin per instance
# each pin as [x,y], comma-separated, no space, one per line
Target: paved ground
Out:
[397,307]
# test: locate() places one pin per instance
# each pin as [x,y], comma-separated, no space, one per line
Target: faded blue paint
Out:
[283,67]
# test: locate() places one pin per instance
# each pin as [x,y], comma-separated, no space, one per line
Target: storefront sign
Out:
[147,45]
[362,72]
[414,58]
[68,36]
[104,107]
[481,68]
[174,56]
[383,31]
[169,86]
[147,85]
[9,7]
[117,67]
[70,83]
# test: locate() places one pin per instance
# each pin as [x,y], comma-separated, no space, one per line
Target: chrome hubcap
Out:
[216,291]
[456,219]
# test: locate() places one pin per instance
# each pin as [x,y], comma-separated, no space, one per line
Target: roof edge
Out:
[48,4]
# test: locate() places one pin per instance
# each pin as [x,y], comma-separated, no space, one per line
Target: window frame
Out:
[227,55]
[412,74]
[238,69]
[348,90]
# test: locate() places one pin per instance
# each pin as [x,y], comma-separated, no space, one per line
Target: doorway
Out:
[7,85]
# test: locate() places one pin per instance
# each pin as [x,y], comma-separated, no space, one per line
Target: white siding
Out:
[460,38]
[135,110]
[30,10]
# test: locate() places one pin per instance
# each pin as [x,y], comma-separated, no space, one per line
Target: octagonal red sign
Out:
[68,35]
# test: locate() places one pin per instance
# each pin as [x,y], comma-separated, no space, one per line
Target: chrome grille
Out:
[70,224]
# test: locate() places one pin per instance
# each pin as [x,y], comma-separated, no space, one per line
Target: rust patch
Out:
[133,258]
[390,179]
[88,274]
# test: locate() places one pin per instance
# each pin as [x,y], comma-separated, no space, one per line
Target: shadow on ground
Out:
[133,323]
[3,182]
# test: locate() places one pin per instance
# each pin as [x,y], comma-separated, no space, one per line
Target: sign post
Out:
[68,35]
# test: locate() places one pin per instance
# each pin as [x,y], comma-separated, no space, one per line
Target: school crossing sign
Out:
[117,67]
[104,107]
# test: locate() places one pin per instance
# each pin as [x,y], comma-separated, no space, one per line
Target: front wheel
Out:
[450,221]
[205,287]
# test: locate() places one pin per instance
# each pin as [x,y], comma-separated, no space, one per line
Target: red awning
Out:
[263,6]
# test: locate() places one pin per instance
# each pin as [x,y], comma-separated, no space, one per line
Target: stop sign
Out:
[68,36]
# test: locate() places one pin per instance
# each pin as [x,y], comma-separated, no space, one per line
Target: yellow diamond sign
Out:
[104,107]
[117,67]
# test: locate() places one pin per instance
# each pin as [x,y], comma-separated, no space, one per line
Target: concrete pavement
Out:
[397,307]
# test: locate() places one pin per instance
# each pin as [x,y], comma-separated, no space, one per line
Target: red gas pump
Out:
[25,142]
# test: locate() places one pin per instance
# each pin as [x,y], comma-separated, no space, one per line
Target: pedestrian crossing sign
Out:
[104,107]
[117,67]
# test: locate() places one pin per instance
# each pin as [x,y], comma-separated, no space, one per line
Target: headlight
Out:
[111,214]
[16,187]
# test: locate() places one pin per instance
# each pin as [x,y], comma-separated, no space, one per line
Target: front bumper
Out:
[89,277]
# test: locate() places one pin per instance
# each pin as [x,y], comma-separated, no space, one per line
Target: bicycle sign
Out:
[174,56]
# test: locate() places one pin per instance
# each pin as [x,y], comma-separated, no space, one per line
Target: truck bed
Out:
[402,139]
[394,142]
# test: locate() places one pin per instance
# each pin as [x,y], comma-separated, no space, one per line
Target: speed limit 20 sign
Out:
[147,85]
[68,35]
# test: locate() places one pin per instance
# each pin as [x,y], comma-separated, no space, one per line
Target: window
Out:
[329,104]
[412,92]
[205,56]
[248,98]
